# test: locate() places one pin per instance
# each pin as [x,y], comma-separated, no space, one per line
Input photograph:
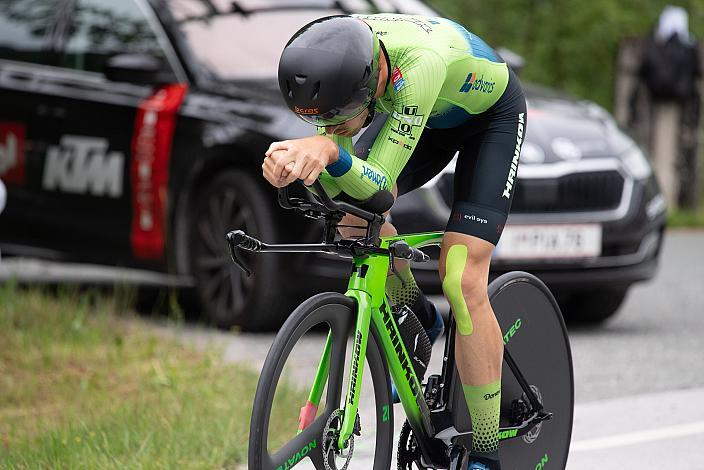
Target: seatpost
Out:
[331,222]
[374,229]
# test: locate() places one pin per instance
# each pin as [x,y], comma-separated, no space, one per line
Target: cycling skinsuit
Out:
[448,92]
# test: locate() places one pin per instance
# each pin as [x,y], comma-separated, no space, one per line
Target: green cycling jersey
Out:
[440,75]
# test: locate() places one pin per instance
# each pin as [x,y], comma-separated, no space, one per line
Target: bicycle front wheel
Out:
[320,329]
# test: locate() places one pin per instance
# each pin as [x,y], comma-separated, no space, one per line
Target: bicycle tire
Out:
[338,312]
[536,337]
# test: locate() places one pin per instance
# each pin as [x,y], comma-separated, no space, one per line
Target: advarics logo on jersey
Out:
[471,83]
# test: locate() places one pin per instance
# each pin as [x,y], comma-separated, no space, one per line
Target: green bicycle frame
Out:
[367,287]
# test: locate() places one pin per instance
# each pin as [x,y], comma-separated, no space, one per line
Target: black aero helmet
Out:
[329,70]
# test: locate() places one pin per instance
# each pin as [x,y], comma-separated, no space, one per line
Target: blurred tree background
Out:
[568,44]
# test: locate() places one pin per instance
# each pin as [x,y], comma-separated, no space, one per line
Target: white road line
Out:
[620,440]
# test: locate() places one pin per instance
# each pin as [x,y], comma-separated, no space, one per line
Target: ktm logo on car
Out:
[84,165]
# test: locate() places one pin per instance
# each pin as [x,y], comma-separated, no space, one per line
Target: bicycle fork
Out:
[355,376]
[357,290]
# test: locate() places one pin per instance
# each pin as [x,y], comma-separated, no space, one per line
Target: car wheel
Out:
[594,306]
[227,296]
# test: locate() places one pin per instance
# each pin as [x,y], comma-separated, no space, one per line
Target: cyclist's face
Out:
[349,128]
[353,126]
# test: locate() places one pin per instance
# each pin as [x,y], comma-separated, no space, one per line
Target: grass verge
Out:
[683,218]
[687,218]
[84,385]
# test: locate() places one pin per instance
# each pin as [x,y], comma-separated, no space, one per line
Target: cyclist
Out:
[444,90]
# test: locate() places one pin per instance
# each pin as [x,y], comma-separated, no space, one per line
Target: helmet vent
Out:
[301,79]
[288,88]
[316,89]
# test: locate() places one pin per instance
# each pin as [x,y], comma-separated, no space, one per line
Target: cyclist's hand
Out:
[309,156]
[268,171]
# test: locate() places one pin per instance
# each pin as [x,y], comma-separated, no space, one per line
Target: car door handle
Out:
[54,112]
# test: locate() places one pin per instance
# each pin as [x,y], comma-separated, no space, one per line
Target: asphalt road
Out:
[639,377]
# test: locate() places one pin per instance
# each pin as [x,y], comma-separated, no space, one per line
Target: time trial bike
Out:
[362,330]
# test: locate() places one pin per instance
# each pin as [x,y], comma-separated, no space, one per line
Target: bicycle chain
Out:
[330,437]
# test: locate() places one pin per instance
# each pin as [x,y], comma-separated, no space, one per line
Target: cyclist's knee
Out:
[353,222]
[387,230]
[464,278]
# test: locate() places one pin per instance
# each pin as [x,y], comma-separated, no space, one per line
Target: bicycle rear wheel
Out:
[535,336]
[323,314]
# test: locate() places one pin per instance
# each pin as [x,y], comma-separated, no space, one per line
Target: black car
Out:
[131,139]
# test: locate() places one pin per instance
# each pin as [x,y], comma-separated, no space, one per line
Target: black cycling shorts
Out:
[489,145]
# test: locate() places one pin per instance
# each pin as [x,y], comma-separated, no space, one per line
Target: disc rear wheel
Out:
[536,337]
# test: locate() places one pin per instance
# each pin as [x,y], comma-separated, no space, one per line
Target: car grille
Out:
[577,192]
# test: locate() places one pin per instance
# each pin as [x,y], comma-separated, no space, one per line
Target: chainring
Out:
[331,433]
[408,450]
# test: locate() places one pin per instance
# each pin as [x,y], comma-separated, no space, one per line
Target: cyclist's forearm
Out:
[329,184]
[359,178]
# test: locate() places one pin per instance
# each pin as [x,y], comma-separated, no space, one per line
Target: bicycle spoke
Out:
[317,459]
[307,443]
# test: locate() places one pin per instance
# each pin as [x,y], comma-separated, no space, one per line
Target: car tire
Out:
[594,306]
[227,297]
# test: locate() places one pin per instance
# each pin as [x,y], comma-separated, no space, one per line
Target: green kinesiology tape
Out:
[452,287]
[484,403]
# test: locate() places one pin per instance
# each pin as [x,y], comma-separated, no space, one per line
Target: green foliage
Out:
[84,384]
[688,218]
[567,44]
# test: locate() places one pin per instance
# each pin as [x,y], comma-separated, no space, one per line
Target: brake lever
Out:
[233,240]
[401,249]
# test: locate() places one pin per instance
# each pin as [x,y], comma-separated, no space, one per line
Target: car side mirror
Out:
[141,69]
[515,61]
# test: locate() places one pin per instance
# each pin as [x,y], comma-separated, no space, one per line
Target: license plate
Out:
[566,241]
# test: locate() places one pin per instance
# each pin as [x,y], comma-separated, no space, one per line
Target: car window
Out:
[101,29]
[25,27]
[236,46]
